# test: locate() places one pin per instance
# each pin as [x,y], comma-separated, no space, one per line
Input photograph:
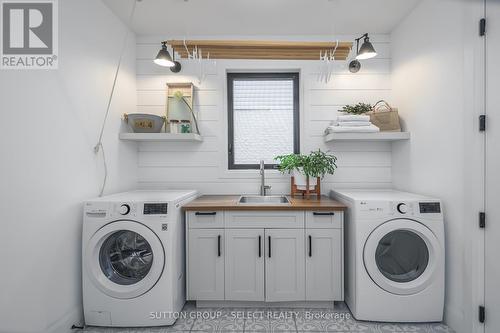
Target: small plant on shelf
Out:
[307,169]
[359,108]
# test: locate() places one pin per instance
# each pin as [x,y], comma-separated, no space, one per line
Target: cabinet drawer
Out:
[270,220]
[205,219]
[324,219]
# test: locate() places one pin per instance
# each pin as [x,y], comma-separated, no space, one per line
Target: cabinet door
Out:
[206,264]
[285,265]
[244,264]
[323,264]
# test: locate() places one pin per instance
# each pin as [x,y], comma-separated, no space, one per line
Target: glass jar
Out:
[174,126]
[185,126]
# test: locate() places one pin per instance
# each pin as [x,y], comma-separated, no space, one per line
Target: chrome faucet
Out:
[263,186]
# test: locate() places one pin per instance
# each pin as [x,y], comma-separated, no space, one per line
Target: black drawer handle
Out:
[323,214]
[218,245]
[260,246]
[269,246]
[310,246]
[205,213]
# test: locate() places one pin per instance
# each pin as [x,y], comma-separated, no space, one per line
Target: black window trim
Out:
[230,117]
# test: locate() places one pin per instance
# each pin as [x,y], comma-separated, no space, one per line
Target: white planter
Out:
[301,180]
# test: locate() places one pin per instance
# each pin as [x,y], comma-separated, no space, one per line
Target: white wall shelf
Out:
[381,136]
[161,137]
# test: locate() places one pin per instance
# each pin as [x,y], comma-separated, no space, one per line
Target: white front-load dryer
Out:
[394,256]
[133,258]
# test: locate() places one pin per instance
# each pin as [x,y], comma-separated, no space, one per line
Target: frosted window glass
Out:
[263,119]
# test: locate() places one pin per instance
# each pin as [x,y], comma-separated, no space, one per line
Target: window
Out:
[263,119]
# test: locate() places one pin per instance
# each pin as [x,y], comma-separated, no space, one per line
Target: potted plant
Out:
[307,167]
[360,108]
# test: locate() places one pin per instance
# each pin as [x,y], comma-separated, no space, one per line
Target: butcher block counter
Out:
[231,202]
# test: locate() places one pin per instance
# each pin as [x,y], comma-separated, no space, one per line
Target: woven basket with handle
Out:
[385,117]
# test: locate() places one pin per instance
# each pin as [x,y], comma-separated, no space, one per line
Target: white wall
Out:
[50,121]
[203,165]
[437,87]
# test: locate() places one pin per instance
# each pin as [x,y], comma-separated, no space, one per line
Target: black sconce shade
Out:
[163,58]
[366,51]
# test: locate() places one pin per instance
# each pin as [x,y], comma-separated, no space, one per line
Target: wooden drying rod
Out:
[272,50]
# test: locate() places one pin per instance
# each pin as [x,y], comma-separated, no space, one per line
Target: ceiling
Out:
[261,17]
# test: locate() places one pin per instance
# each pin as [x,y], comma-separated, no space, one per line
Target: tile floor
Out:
[276,320]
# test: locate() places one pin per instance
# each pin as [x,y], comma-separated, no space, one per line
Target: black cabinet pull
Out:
[323,214]
[269,246]
[260,246]
[218,245]
[205,213]
[310,246]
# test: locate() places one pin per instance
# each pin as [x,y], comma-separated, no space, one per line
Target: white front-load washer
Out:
[133,258]
[394,255]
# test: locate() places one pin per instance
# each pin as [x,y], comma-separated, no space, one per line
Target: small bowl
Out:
[144,123]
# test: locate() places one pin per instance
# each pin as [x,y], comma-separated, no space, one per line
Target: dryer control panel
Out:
[429,207]
[374,209]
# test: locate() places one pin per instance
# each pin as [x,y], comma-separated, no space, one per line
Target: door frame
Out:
[475,162]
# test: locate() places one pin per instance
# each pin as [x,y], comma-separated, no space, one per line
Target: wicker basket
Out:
[385,117]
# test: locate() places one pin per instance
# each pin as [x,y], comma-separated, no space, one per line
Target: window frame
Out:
[231,77]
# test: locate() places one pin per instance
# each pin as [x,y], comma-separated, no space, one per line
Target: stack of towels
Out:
[352,123]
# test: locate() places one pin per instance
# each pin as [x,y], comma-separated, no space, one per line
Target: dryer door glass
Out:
[125,257]
[402,256]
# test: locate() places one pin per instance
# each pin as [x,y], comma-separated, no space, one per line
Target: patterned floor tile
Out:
[219,320]
[257,324]
[279,320]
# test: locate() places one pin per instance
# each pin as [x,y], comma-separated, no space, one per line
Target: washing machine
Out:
[394,255]
[133,258]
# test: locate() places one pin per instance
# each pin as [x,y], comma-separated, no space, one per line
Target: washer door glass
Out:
[402,256]
[125,257]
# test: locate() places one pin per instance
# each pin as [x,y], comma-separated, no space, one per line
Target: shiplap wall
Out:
[203,166]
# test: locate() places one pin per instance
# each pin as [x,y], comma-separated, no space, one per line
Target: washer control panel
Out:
[157,208]
[429,207]
[402,208]
[124,209]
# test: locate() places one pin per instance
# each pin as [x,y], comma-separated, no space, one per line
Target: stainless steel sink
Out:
[264,200]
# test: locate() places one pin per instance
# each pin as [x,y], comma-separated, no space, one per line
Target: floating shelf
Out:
[381,136]
[161,137]
[252,49]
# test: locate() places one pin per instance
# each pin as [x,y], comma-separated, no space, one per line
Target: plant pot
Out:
[301,180]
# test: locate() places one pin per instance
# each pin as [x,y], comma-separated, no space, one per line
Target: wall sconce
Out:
[164,59]
[366,51]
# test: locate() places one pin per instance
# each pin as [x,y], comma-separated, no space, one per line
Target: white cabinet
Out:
[206,264]
[271,256]
[285,266]
[244,265]
[205,220]
[324,220]
[324,264]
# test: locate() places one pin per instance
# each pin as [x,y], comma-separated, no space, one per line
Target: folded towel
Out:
[352,129]
[353,123]
[353,117]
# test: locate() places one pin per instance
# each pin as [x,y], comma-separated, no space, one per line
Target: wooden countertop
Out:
[230,202]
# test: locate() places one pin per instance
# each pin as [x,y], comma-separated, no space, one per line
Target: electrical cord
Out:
[99,146]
